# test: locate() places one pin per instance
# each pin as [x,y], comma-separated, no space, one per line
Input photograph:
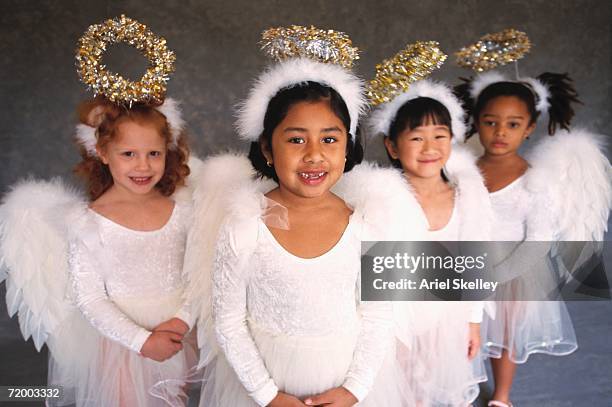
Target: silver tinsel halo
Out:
[493,50]
[321,45]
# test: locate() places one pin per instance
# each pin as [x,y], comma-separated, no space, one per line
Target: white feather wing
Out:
[384,199]
[33,249]
[574,169]
[212,182]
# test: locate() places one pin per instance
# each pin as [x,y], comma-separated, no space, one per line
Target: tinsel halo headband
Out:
[401,78]
[493,50]
[303,54]
[497,49]
[151,88]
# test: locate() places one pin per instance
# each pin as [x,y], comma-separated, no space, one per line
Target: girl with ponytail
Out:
[537,197]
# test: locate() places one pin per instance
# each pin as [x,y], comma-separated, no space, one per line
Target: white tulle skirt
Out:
[302,366]
[433,353]
[523,328]
[96,371]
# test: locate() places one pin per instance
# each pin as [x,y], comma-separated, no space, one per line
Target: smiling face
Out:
[503,125]
[308,149]
[422,151]
[136,157]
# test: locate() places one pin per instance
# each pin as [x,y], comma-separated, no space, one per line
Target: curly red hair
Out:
[107,116]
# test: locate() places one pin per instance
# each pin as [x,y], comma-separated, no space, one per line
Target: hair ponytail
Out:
[561,96]
[462,92]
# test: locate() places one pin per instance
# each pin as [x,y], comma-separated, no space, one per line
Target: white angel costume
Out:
[565,195]
[284,323]
[93,290]
[434,335]
[296,325]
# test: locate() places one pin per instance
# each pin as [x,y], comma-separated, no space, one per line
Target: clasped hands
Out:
[165,340]
[336,397]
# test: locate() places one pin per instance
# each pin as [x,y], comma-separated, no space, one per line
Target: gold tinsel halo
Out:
[297,41]
[92,72]
[493,50]
[394,75]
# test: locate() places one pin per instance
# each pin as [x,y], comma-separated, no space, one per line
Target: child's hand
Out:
[337,397]
[175,325]
[474,340]
[161,345]
[285,400]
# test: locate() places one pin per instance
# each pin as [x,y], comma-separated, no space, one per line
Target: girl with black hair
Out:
[539,198]
[285,298]
[439,341]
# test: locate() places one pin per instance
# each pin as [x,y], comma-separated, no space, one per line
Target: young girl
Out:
[100,280]
[440,342]
[526,206]
[123,265]
[286,279]
[126,257]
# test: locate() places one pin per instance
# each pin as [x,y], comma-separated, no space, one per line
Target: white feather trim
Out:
[171,109]
[541,91]
[480,82]
[86,135]
[185,193]
[543,95]
[385,200]
[291,73]
[381,118]
[572,168]
[473,203]
[381,196]
[461,163]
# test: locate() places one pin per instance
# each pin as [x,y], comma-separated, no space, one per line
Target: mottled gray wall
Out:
[216,45]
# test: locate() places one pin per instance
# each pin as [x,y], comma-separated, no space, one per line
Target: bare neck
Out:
[426,187]
[506,160]
[116,194]
[295,202]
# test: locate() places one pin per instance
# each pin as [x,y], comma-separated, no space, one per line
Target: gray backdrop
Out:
[218,56]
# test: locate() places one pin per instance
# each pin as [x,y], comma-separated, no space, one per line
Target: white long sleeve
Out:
[372,345]
[115,272]
[476,311]
[93,301]
[185,314]
[230,279]
[259,286]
